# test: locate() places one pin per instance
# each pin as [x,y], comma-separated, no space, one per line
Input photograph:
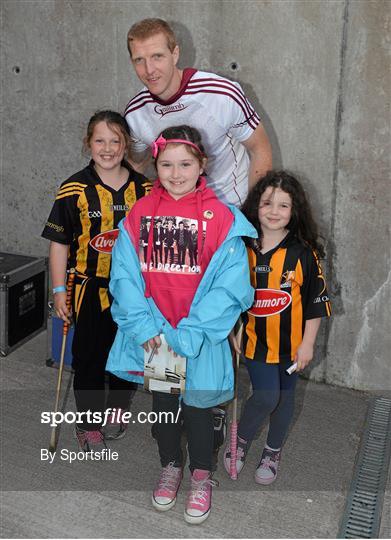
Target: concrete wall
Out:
[318,72]
[359,343]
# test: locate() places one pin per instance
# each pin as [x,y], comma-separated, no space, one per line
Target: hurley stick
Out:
[65,329]
[234,425]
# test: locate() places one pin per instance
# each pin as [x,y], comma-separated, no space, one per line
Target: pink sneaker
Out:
[164,495]
[199,499]
[90,440]
[267,469]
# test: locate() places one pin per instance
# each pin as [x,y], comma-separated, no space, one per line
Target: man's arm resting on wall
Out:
[260,152]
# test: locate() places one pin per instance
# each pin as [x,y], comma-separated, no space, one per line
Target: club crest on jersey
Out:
[269,302]
[286,279]
[104,242]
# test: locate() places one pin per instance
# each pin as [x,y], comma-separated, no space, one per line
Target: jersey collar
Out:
[97,180]
[289,240]
[186,76]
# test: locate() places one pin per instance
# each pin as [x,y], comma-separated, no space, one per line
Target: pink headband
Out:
[160,144]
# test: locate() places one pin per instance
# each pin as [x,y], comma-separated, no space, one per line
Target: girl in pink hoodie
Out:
[188,209]
[192,293]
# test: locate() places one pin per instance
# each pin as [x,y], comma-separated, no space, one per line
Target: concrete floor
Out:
[112,499]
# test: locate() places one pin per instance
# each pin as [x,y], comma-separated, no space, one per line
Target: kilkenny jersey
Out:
[85,216]
[289,290]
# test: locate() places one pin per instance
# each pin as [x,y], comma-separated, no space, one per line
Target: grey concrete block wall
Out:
[359,344]
[319,74]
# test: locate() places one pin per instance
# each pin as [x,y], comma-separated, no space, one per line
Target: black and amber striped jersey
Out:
[86,214]
[290,289]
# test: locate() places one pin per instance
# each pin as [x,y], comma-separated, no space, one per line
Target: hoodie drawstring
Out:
[147,293]
[200,239]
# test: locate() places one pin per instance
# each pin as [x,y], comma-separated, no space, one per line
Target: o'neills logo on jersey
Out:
[159,109]
[269,302]
[104,242]
[262,269]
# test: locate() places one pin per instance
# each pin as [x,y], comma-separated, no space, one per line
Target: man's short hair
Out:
[150,27]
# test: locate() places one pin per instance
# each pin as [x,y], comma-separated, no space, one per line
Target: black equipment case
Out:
[23,299]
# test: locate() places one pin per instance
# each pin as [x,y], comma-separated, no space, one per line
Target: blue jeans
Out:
[272,399]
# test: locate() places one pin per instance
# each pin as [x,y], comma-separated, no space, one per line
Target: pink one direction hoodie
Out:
[175,240]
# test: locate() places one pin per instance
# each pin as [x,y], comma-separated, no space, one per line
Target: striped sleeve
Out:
[316,301]
[60,224]
[230,105]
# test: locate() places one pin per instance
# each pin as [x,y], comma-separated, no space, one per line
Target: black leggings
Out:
[198,424]
[94,335]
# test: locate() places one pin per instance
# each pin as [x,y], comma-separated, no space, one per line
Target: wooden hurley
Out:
[65,329]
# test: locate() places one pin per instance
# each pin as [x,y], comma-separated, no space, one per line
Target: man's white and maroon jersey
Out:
[220,111]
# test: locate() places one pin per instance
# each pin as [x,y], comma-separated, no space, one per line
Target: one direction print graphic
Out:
[174,244]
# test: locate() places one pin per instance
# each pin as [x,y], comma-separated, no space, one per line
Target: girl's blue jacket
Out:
[223,293]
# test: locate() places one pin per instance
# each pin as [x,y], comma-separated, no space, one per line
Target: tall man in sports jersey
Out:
[236,143]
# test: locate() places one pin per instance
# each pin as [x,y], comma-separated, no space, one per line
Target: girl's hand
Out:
[151,343]
[60,306]
[170,349]
[304,355]
[306,350]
